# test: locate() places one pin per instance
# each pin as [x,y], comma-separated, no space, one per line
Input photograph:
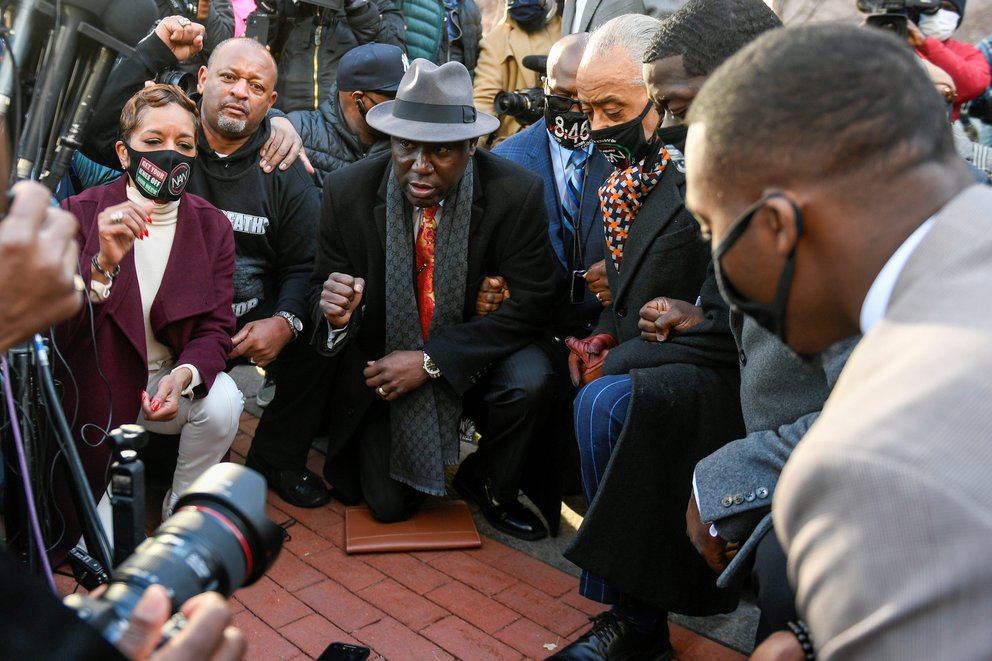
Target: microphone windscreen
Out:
[538,63]
[129,20]
[95,7]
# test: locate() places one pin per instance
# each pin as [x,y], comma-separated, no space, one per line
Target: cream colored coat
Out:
[885,508]
[500,67]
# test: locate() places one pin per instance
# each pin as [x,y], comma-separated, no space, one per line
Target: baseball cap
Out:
[372,67]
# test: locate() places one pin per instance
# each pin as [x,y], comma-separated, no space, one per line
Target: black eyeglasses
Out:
[560,103]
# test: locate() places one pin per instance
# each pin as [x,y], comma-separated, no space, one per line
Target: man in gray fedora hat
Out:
[404,244]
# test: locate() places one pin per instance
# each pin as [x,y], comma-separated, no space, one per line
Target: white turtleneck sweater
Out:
[151,256]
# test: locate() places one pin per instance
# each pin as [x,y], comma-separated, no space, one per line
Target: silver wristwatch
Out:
[433,371]
[294,322]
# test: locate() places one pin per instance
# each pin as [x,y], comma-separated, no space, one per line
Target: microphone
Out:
[58,61]
[18,46]
[129,20]
[538,63]
[125,22]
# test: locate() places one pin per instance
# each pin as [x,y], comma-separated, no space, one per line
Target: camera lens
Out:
[509,103]
[184,81]
[218,540]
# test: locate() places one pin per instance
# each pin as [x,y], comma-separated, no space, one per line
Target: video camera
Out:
[526,105]
[893,15]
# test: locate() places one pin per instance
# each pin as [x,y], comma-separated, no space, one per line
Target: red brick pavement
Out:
[491,603]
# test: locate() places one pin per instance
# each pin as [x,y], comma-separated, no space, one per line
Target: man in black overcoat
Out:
[651,409]
[404,244]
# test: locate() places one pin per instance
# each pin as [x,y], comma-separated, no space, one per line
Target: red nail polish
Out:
[155,406]
[146,232]
[149,219]
[144,395]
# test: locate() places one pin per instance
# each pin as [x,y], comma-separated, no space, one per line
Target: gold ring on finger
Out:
[381,391]
[117,217]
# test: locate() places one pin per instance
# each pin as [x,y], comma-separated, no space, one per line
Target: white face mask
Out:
[941,25]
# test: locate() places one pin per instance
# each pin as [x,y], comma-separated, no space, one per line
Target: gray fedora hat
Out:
[433,104]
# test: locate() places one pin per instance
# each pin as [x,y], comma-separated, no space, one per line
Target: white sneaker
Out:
[266,393]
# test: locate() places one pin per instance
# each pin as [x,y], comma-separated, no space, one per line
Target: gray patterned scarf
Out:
[424,423]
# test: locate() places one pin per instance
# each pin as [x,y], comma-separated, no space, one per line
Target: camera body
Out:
[893,15]
[526,105]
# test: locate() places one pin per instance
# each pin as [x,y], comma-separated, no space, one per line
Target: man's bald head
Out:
[563,63]
[243,42]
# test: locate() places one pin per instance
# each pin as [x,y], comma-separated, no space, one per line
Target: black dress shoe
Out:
[297,486]
[512,518]
[614,639]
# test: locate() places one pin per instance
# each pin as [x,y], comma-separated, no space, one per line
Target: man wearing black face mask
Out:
[781,395]
[889,236]
[559,150]
[650,409]
[337,134]
[529,27]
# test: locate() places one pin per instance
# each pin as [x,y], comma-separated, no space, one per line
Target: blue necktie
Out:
[573,195]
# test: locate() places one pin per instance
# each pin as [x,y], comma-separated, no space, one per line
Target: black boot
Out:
[613,638]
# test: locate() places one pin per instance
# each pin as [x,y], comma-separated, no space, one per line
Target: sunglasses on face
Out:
[560,103]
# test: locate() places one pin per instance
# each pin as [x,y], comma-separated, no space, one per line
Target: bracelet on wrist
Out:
[109,275]
[798,628]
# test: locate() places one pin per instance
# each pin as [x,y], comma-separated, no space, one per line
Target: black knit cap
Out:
[707,32]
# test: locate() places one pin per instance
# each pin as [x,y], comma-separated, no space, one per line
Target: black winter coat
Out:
[308,42]
[329,142]
[685,404]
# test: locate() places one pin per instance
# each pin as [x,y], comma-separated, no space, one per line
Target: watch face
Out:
[293,320]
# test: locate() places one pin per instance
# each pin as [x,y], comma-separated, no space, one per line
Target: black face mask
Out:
[623,144]
[672,135]
[770,316]
[531,17]
[569,129]
[159,175]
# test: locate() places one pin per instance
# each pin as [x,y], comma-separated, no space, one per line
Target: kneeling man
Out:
[405,242]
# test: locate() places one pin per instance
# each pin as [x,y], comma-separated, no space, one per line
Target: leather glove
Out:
[585,362]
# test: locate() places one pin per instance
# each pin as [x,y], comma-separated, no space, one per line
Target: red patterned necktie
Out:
[426,238]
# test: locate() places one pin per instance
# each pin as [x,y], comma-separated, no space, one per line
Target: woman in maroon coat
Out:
[151,345]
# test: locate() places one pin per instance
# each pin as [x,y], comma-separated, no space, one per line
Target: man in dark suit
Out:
[404,243]
[559,151]
[594,13]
